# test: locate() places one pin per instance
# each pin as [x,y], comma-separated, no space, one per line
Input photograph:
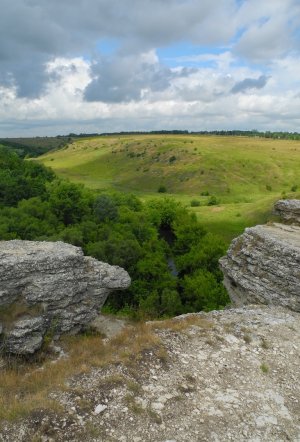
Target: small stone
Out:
[100,408]
[158,406]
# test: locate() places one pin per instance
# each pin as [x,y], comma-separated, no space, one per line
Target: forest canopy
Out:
[172,260]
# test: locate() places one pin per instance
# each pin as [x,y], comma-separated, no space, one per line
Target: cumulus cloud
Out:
[250,83]
[131,77]
[56,74]
[32,32]
[270,29]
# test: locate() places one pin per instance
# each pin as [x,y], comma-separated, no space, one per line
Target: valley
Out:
[229,182]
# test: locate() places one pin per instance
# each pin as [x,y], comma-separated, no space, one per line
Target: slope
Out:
[245,174]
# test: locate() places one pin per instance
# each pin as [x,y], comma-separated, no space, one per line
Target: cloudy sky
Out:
[108,65]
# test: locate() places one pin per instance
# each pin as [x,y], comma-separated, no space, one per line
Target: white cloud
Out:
[269,29]
[50,65]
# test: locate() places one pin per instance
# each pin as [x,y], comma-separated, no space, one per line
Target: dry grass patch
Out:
[25,387]
[133,405]
[247,338]
[182,324]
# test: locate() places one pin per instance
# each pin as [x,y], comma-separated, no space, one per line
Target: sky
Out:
[88,66]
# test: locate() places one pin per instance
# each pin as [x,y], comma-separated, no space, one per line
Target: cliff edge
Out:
[262,266]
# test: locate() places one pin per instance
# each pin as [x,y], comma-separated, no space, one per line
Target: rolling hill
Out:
[244,174]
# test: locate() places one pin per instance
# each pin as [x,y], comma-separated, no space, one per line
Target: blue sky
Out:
[103,65]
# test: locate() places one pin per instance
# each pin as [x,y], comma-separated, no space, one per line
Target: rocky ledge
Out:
[288,210]
[262,266]
[50,288]
[227,376]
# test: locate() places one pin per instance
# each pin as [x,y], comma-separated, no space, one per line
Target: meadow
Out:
[243,175]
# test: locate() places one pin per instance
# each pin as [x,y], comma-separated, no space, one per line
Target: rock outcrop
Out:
[50,288]
[288,210]
[262,266]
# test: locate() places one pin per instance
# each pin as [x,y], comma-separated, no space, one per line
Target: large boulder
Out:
[262,266]
[288,210]
[50,288]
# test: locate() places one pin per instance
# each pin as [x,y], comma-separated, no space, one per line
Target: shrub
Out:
[172,159]
[205,193]
[294,188]
[162,189]
[213,201]
[268,187]
[195,203]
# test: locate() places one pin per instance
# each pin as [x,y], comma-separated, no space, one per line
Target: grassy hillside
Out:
[245,174]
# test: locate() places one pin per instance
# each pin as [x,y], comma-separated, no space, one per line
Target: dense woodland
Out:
[172,260]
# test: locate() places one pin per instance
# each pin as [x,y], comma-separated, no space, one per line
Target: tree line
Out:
[285,135]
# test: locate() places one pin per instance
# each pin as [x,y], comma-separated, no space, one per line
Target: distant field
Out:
[246,175]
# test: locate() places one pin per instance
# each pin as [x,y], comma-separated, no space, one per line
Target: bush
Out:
[172,159]
[162,189]
[205,193]
[213,201]
[195,203]
[294,188]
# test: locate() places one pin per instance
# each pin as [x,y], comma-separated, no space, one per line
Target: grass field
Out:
[245,174]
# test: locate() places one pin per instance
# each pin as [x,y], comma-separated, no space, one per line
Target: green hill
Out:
[244,174]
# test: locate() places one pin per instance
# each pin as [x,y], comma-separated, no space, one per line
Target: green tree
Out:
[201,291]
[105,208]
[69,202]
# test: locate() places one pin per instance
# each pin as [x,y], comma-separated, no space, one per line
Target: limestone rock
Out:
[262,266]
[26,336]
[288,210]
[50,288]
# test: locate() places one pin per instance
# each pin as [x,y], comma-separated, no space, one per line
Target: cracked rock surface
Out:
[262,266]
[288,210]
[50,288]
[231,375]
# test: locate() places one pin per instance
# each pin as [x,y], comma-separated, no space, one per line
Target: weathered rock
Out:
[223,376]
[50,288]
[26,337]
[288,210]
[262,266]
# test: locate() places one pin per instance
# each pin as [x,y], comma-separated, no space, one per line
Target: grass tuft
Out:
[264,368]
[26,387]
